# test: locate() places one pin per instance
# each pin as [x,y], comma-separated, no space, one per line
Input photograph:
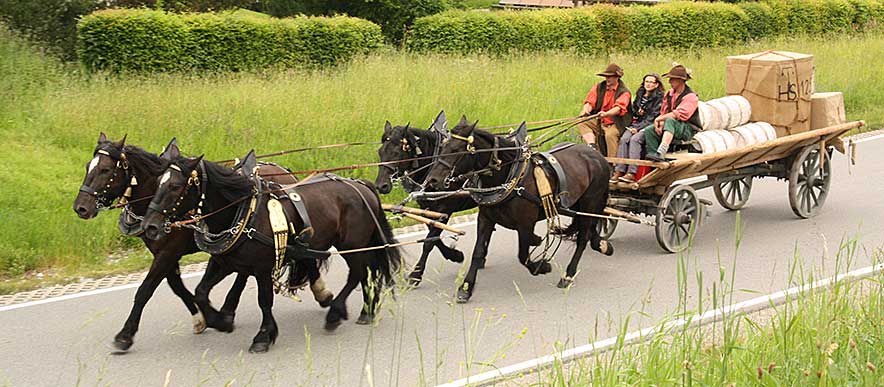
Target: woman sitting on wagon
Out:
[645,108]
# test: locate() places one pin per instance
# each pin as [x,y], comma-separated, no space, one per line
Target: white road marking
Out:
[870,138]
[754,304]
[135,285]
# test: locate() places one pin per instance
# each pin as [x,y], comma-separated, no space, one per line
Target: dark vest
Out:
[621,122]
[695,118]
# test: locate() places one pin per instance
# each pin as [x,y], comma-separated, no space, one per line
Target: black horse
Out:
[407,143]
[516,204]
[321,212]
[119,170]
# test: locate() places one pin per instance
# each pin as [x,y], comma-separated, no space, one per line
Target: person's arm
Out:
[589,102]
[620,106]
[686,108]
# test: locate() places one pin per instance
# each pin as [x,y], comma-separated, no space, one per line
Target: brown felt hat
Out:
[678,72]
[611,71]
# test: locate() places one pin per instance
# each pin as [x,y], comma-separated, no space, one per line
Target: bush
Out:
[680,25]
[151,41]
[394,16]
[50,23]
[53,23]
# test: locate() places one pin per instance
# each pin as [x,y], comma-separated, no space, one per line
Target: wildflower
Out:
[871,366]
[760,372]
[806,373]
[852,344]
[687,364]
[771,366]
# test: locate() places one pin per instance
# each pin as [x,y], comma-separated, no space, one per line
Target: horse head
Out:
[107,176]
[457,155]
[178,192]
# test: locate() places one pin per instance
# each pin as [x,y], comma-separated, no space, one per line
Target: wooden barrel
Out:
[754,133]
[724,113]
[711,141]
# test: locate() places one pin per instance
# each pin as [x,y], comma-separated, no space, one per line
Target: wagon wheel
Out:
[678,213]
[606,227]
[809,182]
[733,194]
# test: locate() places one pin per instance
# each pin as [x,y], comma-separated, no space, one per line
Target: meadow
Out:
[51,115]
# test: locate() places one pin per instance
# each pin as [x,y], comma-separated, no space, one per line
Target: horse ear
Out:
[440,124]
[387,128]
[102,137]
[407,125]
[122,142]
[249,164]
[473,126]
[192,163]
[171,151]
[521,133]
[463,121]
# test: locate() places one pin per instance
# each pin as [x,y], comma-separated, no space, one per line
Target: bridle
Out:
[102,200]
[193,181]
[494,162]
[413,152]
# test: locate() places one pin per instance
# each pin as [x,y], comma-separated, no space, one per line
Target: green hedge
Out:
[680,25]
[156,41]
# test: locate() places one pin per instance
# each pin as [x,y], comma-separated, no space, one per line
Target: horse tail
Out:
[390,258]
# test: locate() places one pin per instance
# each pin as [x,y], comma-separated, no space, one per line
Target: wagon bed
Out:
[801,158]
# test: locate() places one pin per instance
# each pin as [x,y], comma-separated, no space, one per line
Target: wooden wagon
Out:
[801,159]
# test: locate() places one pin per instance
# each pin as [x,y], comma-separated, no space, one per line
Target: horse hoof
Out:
[332,325]
[364,319]
[122,343]
[456,256]
[565,283]
[463,296]
[606,247]
[540,268]
[415,278]
[259,347]
[326,301]
[224,324]
[199,323]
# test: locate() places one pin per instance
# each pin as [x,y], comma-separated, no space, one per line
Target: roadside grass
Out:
[829,336]
[52,117]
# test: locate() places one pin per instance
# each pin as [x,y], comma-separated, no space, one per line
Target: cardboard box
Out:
[778,85]
[827,109]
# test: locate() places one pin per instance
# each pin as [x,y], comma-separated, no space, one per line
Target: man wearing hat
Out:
[610,99]
[678,119]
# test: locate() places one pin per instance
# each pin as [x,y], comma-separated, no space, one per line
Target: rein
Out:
[297,150]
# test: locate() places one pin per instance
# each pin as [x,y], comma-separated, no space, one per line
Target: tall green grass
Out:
[51,117]
[828,336]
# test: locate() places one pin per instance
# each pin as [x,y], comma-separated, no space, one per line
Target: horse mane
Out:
[144,160]
[227,182]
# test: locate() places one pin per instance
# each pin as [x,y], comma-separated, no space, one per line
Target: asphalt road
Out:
[424,337]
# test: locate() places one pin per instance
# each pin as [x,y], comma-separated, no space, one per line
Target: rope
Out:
[296,150]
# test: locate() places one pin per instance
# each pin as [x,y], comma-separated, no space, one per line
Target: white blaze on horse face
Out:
[92,165]
[166,176]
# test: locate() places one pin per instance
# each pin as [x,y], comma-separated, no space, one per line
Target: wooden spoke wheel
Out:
[733,194]
[809,180]
[678,213]
[606,227]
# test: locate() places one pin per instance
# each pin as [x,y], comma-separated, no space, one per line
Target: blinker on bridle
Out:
[192,181]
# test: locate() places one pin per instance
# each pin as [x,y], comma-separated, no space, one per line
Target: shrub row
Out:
[599,28]
[151,41]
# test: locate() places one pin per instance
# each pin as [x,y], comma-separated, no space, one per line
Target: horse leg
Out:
[173,278]
[586,230]
[214,274]
[417,274]
[451,254]
[372,289]
[269,331]
[484,229]
[338,309]
[162,265]
[317,285]
[228,310]
[526,240]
